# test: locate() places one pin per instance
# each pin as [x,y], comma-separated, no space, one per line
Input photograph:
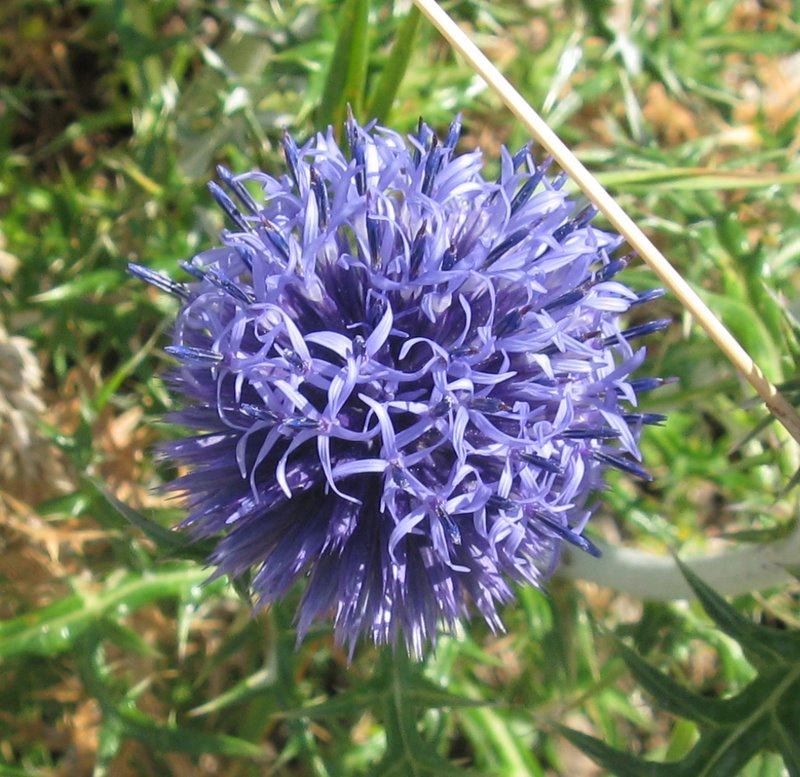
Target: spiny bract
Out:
[405,380]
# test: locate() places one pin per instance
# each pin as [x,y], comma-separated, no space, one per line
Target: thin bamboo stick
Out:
[570,164]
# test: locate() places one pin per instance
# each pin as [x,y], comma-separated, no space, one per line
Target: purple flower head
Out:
[405,380]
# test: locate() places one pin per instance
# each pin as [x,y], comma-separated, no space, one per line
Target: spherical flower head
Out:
[405,380]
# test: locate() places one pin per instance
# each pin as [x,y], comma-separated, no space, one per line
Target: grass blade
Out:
[381,104]
[348,69]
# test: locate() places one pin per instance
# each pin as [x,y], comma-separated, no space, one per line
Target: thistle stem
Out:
[671,278]
[658,578]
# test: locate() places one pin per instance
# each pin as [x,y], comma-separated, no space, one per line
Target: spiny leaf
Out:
[429,695]
[767,534]
[54,628]
[407,753]
[671,696]
[78,289]
[762,716]
[256,683]
[417,690]
[179,739]
[397,693]
[491,733]
[723,753]
[350,702]
[787,743]
[761,643]
[618,764]
[170,542]
[124,720]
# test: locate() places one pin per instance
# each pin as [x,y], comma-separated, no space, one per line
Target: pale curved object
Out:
[658,578]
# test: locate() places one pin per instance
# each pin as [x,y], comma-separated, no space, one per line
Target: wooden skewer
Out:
[591,187]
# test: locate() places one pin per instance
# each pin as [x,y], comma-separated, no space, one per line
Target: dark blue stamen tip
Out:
[359,346]
[488,405]
[453,532]
[294,360]
[258,412]
[423,136]
[291,153]
[639,331]
[418,249]
[192,269]
[571,536]
[463,350]
[527,189]
[376,311]
[570,298]
[586,215]
[625,465]
[453,134]
[276,239]
[607,272]
[238,188]
[507,244]
[247,255]
[194,356]
[399,476]
[548,465]
[374,239]
[496,502]
[321,196]
[509,323]
[433,163]
[520,157]
[552,349]
[300,422]
[226,203]
[648,296]
[581,220]
[229,287]
[351,130]
[641,385]
[449,258]
[443,407]
[565,229]
[599,433]
[356,143]
[650,419]
[160,281]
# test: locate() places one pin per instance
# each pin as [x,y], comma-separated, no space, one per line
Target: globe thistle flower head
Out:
[404,380]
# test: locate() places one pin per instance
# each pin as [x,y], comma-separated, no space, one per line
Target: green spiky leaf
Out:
[762,716]
[172,543]
[53,629]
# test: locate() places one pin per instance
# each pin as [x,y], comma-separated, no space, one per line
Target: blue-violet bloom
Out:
[405,380]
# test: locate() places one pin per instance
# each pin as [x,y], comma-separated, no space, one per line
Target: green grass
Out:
[114,659]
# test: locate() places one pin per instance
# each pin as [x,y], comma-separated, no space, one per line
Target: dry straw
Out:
[29,467]
[623,223]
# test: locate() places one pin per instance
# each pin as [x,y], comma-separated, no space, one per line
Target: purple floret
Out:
[404,381]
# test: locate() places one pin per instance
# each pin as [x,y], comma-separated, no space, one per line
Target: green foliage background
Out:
[115,659]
